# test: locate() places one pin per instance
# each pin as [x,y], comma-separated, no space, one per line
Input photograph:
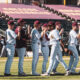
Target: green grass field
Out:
[27,69]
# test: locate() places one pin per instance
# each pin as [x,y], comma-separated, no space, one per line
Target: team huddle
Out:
[50,36]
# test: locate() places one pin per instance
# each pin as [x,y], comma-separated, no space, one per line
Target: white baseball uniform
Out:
[72,46]
[45,52]
[10,47]
[79,41]
[55,50]
[35,48]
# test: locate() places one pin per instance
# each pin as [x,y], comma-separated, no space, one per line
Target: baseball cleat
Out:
[45,74]
[22,74]
[5,74]
[55,72]
[67,73]
[35,74]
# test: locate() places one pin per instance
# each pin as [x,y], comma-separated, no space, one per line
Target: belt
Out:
[44,45]
[35,43]
[56,40]
[72,44]
[10,44]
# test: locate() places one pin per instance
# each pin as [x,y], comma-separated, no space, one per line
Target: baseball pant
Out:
[56,63]
[3,51]
[72,47]
[35,49]
[45,52]
[60,59]
[71,62]
[10,54]
[21,52]
[55,50]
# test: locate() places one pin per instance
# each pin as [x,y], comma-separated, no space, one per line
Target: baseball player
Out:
[44,46]
[3,46]
[35,46]
[79,39]
[21,45]
[79,32]
[10,46]
[51,26]
[55,49]
[73,36]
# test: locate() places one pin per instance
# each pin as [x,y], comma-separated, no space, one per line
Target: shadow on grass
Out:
[31,76]
[22,77]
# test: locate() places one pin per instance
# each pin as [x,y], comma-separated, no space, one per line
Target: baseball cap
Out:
[57,23]
[20,21]
[45,25]
[11,22]
[74,24]
[36,22]
[50,23]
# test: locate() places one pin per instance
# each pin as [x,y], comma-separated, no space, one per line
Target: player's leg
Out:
[45,51]
[52,58]
[35,49]
[76,58]
[61,59]
[62,62]
[21,52]
[71,62]
[56,63]
[10,53]
[3,51]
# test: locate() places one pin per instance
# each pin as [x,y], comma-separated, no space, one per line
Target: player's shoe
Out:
[55,72]
[35,74]
[68,73]
[73,72]
[45,74]
[22,74]
[5,74]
